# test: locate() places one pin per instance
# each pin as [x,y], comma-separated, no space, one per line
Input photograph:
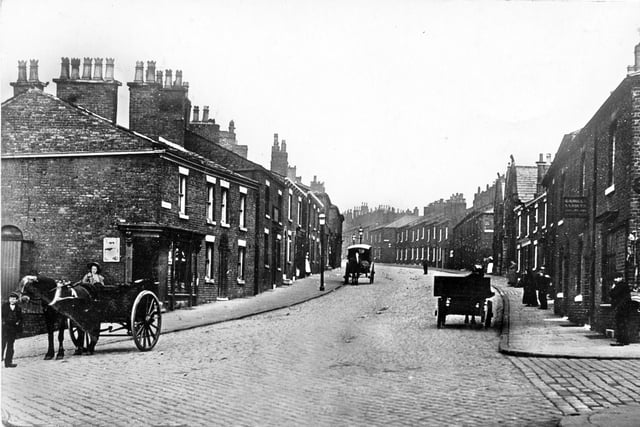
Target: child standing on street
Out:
[11,327]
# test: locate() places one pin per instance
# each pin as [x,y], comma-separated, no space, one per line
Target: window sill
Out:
[183,216]
[209,281]
[243,229]
[209,222]
[267,216]
[610,190]
[241,282]
[224,225]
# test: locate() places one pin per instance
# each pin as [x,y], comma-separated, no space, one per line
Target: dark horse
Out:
[55,315]
[352,271]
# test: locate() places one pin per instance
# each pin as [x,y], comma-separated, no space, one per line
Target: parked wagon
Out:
[130,308]
[464,295]
[359,262]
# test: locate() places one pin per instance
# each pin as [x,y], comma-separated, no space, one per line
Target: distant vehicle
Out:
[359,261]
[465,295]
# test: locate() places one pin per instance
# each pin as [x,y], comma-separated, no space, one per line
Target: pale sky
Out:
[397,102]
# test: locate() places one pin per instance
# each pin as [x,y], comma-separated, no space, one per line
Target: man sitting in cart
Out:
[87,288]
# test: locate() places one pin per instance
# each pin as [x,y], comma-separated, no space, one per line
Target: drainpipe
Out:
[592,299]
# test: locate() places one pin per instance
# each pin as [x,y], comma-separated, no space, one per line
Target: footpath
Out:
[526,331]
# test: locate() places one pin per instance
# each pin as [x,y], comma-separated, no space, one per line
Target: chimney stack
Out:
[284,145]
[196,114]
[97,69]
[232,127]
[97,94]
[160,107]
[22,84]
[86,69]
[205,113]
[275,140]
[631,69]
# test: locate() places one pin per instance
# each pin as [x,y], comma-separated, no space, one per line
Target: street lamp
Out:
[322,219]
[360,233]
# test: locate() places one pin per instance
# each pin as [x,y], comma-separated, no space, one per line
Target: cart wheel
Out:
[73,334]
[441,313]
[146,320]
[489,314]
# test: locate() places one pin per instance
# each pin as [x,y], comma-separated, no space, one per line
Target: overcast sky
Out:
[388,102]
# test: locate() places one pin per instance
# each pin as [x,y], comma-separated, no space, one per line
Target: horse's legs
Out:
[61,326]
[50,348]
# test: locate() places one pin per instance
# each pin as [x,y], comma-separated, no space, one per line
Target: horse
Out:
[57,309]
[352,271]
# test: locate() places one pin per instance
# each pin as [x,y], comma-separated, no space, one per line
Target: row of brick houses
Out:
[173,197]
[576,213]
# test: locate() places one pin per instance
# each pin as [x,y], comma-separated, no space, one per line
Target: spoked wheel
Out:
[146,320]
[74,330]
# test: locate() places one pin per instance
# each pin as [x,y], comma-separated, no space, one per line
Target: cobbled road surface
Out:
[367,355]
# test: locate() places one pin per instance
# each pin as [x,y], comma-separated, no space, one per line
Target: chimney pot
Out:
[137,78]
[275,139]
[284,146]
[97,68]
[108,71]
[178,81]
[22,71]
[151,71]
[196,114]
[33,70]
[637,52]
[232,127]
[159,77]
[86,69]
[167,78]
[541,158]
[205,113]
[64,69]
[75,68]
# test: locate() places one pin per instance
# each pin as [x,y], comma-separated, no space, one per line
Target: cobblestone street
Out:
[364,355]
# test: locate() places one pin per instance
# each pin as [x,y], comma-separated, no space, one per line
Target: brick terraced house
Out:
[77,187]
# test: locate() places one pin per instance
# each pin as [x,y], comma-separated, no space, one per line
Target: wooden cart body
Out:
[133,306]
[463,295]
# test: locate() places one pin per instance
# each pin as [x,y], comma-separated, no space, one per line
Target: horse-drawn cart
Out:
[359,261]
[133,308]
[464,295]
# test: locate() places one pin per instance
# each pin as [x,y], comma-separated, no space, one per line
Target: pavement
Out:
[526,332]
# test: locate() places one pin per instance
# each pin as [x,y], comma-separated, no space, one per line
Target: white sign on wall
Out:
[111,249]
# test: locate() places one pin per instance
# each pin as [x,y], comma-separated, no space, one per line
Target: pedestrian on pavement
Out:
[620,294]
[307,265]
[543,280]
[512,277]
[529,289]
[11,327]
[425,266]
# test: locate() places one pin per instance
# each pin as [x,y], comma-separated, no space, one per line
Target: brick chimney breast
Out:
[108,72]
[97,69]
[75,68]
[64,69]
[151,71]
[86,69]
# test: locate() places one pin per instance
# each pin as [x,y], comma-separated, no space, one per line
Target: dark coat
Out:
[11,319]
[620,294]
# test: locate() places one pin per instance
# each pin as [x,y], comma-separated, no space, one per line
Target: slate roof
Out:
[400,222]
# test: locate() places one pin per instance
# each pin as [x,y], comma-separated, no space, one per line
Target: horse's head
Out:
[36,287]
